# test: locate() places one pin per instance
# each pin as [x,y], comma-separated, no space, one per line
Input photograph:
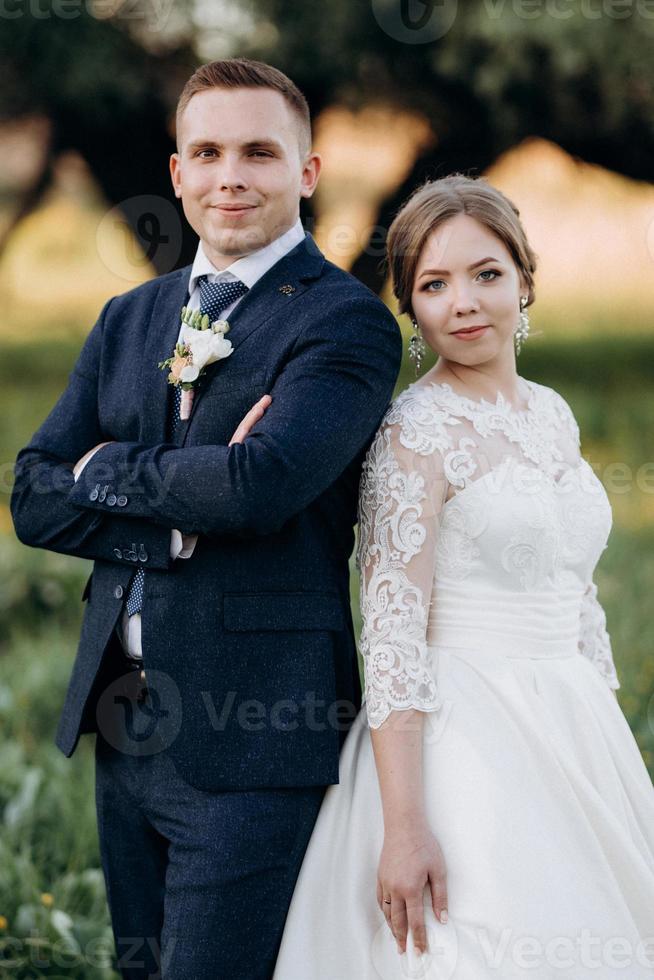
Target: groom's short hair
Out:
[245,73]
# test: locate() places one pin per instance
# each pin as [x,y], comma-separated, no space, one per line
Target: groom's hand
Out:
[255,413]
[182,546]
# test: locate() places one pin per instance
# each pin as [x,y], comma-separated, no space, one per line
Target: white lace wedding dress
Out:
[480,528]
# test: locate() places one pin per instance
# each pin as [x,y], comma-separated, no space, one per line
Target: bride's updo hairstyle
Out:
[434,203]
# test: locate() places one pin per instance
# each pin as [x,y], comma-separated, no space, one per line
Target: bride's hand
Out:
[255,413]
[410,861]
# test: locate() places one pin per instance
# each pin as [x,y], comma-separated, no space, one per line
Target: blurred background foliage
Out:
[554,103]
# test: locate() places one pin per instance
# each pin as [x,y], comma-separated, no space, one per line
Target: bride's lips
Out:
[470,333]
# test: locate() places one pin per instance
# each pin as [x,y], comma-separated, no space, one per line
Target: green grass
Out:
[54,917]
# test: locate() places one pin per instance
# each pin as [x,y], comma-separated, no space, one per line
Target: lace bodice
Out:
[475,517]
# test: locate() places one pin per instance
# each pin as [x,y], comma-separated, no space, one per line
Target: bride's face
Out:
[466,278]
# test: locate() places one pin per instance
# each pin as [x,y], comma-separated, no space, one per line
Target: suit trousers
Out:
[198,883]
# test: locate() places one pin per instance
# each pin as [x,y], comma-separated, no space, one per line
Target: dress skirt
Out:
[544,810]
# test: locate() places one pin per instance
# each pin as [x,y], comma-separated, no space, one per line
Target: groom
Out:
[216,662]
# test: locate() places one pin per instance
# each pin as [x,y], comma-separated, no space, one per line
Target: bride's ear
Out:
[523,285]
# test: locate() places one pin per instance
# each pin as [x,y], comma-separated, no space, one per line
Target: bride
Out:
[494,817]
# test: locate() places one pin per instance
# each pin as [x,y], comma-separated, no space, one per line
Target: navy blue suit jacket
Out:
[254,630]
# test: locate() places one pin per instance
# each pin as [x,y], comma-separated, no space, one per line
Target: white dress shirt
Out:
[249,270]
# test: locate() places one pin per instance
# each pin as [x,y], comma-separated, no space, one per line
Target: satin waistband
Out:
[513,624]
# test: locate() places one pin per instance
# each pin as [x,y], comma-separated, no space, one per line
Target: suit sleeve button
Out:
[118,592]
[94,492]
[103,494]
[111,499]
[122,500]
[118,553]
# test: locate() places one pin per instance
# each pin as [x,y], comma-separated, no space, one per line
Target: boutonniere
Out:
[200,343]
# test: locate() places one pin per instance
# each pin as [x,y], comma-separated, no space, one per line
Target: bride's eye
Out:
[434,282]
[492,272]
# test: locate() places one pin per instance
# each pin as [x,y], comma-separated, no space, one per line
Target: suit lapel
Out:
[159,344]
[271,295]
[283,283]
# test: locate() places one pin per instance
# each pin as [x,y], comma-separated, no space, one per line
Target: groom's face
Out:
[241,169]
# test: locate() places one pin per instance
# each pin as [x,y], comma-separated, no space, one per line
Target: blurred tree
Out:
[105,96]
[488,75]
[578,73]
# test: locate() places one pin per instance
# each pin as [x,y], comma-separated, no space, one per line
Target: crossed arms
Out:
[327,403]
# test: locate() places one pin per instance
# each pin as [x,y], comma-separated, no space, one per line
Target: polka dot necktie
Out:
[214,298]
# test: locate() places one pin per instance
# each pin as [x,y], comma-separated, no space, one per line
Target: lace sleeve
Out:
[401,494]
[594,641]
[567,421]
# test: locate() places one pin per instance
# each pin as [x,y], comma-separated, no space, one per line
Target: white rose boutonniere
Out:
[200,343]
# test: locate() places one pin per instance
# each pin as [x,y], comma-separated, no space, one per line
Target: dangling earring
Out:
[522,332]
[417,346]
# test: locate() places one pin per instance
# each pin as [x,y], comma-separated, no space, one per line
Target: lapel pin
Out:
[287,289]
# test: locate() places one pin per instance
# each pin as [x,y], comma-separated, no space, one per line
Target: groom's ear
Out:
[310,174]
[175,173]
